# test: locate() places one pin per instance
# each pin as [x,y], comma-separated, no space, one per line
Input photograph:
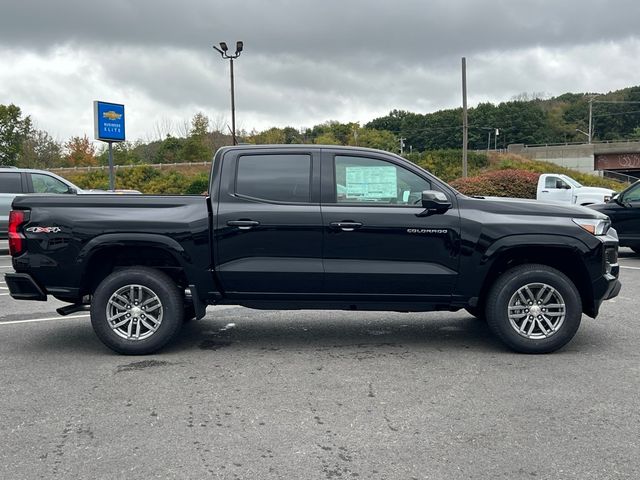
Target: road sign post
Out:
[109,126]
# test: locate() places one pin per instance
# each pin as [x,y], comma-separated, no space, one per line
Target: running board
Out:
[76,307]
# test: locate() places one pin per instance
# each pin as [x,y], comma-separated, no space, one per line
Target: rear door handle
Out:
[345,226]
[243,224]
[545,191]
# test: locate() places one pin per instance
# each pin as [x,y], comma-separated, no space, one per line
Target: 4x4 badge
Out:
[43,229]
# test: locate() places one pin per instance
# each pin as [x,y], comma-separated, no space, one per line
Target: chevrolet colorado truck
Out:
[314,227]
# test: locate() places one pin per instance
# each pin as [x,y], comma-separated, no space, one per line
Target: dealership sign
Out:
[108,121]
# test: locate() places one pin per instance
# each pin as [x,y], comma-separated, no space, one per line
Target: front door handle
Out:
[345,226]
[243,224]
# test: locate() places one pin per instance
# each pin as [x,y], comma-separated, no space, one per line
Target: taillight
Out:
[16,239]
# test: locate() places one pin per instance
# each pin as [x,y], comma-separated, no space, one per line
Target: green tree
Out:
[40,150]
[195,148]
[14,130]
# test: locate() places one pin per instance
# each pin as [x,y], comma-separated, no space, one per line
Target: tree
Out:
[40,150]
[13,131]
[80,152]
[195,148]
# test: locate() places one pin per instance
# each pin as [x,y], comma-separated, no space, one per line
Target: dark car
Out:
[624,212]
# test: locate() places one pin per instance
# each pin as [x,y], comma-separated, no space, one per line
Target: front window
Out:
[47,184]
[571,181]
[633,194]
[373,181]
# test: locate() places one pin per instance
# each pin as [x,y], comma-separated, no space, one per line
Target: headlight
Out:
[593,226]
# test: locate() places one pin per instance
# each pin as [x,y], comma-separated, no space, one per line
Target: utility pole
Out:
[465,120]
[402,145]
[590,118]
[495,139]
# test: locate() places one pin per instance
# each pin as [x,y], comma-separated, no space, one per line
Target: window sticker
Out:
[371,183]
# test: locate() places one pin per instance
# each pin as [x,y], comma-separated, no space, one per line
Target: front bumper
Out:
[23,287]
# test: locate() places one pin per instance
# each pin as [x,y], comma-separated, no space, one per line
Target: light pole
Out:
[224,51]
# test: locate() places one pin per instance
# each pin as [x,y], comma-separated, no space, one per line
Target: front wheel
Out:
[136,310]
[534,309]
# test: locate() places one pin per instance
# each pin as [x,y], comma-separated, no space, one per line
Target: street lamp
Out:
[223,50]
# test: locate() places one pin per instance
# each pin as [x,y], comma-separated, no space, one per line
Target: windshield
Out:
[571,181]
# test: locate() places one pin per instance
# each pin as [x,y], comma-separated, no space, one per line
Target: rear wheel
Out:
[534,309]
[136,311]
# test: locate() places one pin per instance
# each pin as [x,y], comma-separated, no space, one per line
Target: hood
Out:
[520,206]
[596,190]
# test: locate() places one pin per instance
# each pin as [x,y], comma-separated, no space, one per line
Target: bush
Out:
[500,183]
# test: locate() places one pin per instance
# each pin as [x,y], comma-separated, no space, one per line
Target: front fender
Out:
[534,240]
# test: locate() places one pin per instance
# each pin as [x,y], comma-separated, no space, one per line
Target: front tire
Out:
[534,309]
[136,311]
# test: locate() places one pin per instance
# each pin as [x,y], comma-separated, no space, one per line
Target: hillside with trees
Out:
[432,140]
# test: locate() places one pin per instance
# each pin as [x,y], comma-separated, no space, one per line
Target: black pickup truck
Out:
[314,227]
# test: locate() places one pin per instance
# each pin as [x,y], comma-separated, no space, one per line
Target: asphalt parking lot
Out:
[314,395]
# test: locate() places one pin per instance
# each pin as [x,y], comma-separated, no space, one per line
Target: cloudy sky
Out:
[304,62]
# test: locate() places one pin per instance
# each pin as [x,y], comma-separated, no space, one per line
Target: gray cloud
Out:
[304,62]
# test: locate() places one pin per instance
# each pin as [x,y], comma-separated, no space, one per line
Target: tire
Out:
[158,298]
[477,312]
[534,327]
[189,313]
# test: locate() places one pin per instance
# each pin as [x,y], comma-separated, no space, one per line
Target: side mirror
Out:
[434,202]
[72,191]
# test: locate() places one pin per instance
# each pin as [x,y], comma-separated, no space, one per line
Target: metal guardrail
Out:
[616,176]
[561,144]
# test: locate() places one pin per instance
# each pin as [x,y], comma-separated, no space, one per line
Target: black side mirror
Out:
[72,191]
[434,202]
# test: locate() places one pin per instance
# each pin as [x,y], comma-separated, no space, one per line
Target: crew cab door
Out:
[376,246]
[268,228]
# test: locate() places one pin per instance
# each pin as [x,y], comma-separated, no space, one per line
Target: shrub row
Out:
[145,179]
[500,183]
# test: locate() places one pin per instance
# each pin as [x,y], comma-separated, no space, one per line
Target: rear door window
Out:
[276,178]
[10,182]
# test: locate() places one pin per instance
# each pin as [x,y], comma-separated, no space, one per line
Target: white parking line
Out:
[630,268]
[32,320]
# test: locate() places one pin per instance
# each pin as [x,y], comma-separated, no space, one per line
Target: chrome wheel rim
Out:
[536,311]
[134,312]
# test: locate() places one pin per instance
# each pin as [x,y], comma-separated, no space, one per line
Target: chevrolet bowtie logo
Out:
[111,115]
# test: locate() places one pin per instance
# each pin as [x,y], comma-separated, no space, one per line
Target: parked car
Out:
[313,227]
[23,181]
[558,188]
[624,211]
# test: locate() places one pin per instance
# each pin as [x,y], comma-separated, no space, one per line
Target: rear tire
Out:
[137,310]
[534,309]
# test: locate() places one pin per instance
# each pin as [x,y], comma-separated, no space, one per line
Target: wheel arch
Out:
[562,253]
[105,253]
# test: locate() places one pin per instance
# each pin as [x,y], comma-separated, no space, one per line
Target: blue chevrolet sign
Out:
[108,121]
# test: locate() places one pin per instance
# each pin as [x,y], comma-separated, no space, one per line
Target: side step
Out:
[76,307]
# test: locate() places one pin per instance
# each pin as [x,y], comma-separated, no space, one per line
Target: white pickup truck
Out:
[558,188]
